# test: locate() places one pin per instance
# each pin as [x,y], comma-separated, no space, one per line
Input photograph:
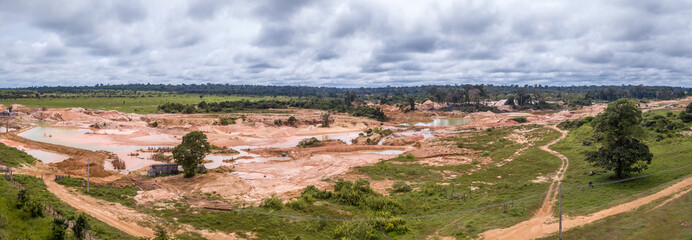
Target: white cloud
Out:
[353,43]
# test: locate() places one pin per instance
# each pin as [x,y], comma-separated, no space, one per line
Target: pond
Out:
[444,122]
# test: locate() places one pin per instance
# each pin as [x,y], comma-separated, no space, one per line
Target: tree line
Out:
[321,103]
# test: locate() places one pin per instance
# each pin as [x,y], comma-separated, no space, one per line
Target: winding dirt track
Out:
[543,224]
[546,209]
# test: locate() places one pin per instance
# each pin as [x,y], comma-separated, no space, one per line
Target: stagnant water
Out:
[444,122]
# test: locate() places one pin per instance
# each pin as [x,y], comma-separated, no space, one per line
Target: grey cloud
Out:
[274,36]
[205,9]
[350,43]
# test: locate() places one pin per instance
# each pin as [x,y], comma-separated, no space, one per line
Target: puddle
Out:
[444,122]
[45,156]
[388,152]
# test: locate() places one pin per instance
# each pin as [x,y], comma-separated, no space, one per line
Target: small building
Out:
[166,168]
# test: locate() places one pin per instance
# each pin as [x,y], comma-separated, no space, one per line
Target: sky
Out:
[368,43]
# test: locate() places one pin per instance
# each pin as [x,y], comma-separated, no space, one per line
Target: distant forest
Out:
[439,93]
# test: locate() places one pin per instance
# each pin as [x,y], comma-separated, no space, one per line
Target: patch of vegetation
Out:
[310,142]
[123,195]
[519,119]
[13,157]
[576,123]
[223,121]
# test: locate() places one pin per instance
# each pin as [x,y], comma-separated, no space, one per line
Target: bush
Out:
[401,187]
[309,142]
[587,142]
[519,119]
[223,121]
[274,203]
[35,208]
[573,124]
[299,204]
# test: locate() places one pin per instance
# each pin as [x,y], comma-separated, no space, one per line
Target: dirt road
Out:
[113,214]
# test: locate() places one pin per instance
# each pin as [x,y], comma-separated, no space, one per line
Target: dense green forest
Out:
[467,92]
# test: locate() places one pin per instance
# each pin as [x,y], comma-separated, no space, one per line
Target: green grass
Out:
[123,195]
[667,154]
[13,157]
[39,191]
[671,221]
[134,104]
[16,223]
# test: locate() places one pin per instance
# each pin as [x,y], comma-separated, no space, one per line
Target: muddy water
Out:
[388,152]
[85,139]
[44,156]
[444,122]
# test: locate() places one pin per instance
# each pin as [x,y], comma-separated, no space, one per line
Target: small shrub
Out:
[309,142]
[401,187]
[519,119]
[587,142]
[274,203]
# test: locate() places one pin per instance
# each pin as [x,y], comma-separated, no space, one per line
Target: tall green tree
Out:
[191,151]
[619,129]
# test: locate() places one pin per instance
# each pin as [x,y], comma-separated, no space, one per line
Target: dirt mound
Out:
[78,168]
[401,141]
[21,108]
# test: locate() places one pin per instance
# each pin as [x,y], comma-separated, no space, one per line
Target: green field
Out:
[668,153]
[134,104]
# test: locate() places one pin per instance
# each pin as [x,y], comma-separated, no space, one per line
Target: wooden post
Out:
[88,161]
[560,201]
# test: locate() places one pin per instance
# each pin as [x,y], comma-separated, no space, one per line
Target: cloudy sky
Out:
[345,43]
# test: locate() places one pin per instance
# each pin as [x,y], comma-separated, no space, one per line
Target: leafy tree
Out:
[191,151]
[81,226]
[618,128]
[59,229]
[325,120]
[292,120]
[411,103]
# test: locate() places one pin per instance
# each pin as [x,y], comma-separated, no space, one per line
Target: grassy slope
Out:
[38,189]
[16,223]
[668,153]
[671,221]
[39,192]
[140,105]
[14,157]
